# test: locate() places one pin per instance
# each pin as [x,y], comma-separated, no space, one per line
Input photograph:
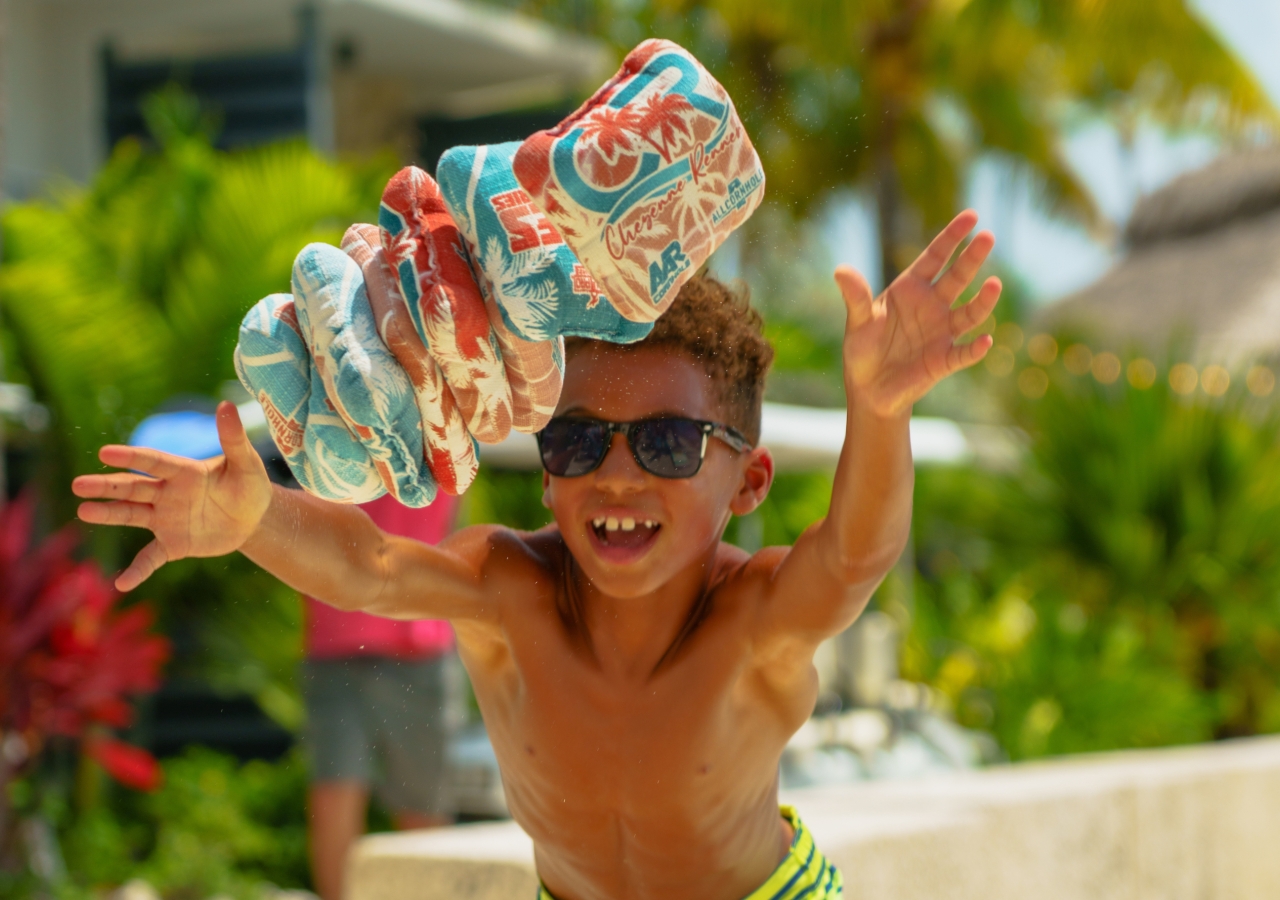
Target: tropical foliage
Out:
[217,828]
[69,664]
[115,299]
[127,293]
[899,97]
[1123,587]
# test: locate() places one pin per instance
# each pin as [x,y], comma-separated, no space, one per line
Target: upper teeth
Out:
[612,523]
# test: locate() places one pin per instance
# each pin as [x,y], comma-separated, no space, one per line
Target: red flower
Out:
[131,766]
[67,658]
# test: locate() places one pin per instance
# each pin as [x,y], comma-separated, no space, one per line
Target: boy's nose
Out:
[619,470]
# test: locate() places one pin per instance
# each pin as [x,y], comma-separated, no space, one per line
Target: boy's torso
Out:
[658,783]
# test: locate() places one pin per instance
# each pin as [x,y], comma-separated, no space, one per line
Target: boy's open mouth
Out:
[624,533]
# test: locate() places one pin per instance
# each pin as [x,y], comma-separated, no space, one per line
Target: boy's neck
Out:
[632,636]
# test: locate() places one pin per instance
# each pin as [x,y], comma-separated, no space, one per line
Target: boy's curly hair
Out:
[716,326]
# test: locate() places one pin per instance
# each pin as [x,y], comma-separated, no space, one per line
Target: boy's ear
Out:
[546,487]
[757,478]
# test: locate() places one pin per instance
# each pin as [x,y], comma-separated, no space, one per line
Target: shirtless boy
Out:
[639,679]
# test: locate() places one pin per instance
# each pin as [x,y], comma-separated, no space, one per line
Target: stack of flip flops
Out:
[444,324]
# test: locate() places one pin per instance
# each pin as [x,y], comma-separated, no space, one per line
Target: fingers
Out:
[117,512]
[149,558]
[235,442]
[144,459]
[117,486]
[962,356]
[975,312]
[857,295]
[931,262]
[952,284]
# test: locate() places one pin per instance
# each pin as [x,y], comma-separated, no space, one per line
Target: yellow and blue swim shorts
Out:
[804,875]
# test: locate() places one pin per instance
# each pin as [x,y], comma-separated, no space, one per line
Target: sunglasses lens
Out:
[668,448]
[572,447]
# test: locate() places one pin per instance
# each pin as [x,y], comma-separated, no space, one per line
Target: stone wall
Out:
[1196,823]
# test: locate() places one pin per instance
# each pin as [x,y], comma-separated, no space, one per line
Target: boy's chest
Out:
[566,726]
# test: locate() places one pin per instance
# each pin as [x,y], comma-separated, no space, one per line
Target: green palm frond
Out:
[131,290]
[263,207]
[1020,69]
[96,352]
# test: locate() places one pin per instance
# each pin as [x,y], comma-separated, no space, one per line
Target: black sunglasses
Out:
[668,447]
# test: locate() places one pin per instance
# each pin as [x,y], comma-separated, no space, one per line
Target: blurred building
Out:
[354,76]
[1202,268]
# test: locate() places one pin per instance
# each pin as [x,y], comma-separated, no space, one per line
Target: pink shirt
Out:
[333,634]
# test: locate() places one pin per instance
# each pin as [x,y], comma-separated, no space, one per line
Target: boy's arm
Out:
[896,347]
[329,551]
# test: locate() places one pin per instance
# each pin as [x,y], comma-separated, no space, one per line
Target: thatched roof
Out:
[1203,264]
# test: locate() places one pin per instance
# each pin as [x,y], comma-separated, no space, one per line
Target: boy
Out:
[638,678]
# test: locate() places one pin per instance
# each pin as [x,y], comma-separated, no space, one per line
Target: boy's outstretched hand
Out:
[193,507]
[899,345]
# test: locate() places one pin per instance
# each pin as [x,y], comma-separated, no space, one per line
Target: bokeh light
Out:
[1260,381]
[1042,349]
[1215,380]
[1078,359]
[1106,368]
[1142,373]
[1033,382]
[1011,336]
[999,361]
[1183,378]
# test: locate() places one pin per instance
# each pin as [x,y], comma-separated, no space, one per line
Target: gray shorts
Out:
[383,722]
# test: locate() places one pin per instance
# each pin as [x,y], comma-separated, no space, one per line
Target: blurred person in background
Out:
[378,711]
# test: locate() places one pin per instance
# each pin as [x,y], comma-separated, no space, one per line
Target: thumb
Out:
[857,295]
[235,441]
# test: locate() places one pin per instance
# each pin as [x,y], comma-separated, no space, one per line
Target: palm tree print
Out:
[662,119]
[611,130]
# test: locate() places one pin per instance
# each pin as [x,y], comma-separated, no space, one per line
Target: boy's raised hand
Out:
[899,345]
[193,507]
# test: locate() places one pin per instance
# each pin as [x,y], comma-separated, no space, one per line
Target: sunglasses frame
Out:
[727,433]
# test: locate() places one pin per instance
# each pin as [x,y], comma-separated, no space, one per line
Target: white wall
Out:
[1194,823]
[54,69]
[441,51]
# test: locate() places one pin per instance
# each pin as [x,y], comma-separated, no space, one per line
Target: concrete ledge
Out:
[1195,823]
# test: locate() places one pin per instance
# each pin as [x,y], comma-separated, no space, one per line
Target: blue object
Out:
[186,433]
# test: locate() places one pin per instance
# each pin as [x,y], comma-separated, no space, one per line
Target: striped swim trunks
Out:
[804,875]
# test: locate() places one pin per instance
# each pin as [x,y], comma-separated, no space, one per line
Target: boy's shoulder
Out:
[500,554]
[531,564]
